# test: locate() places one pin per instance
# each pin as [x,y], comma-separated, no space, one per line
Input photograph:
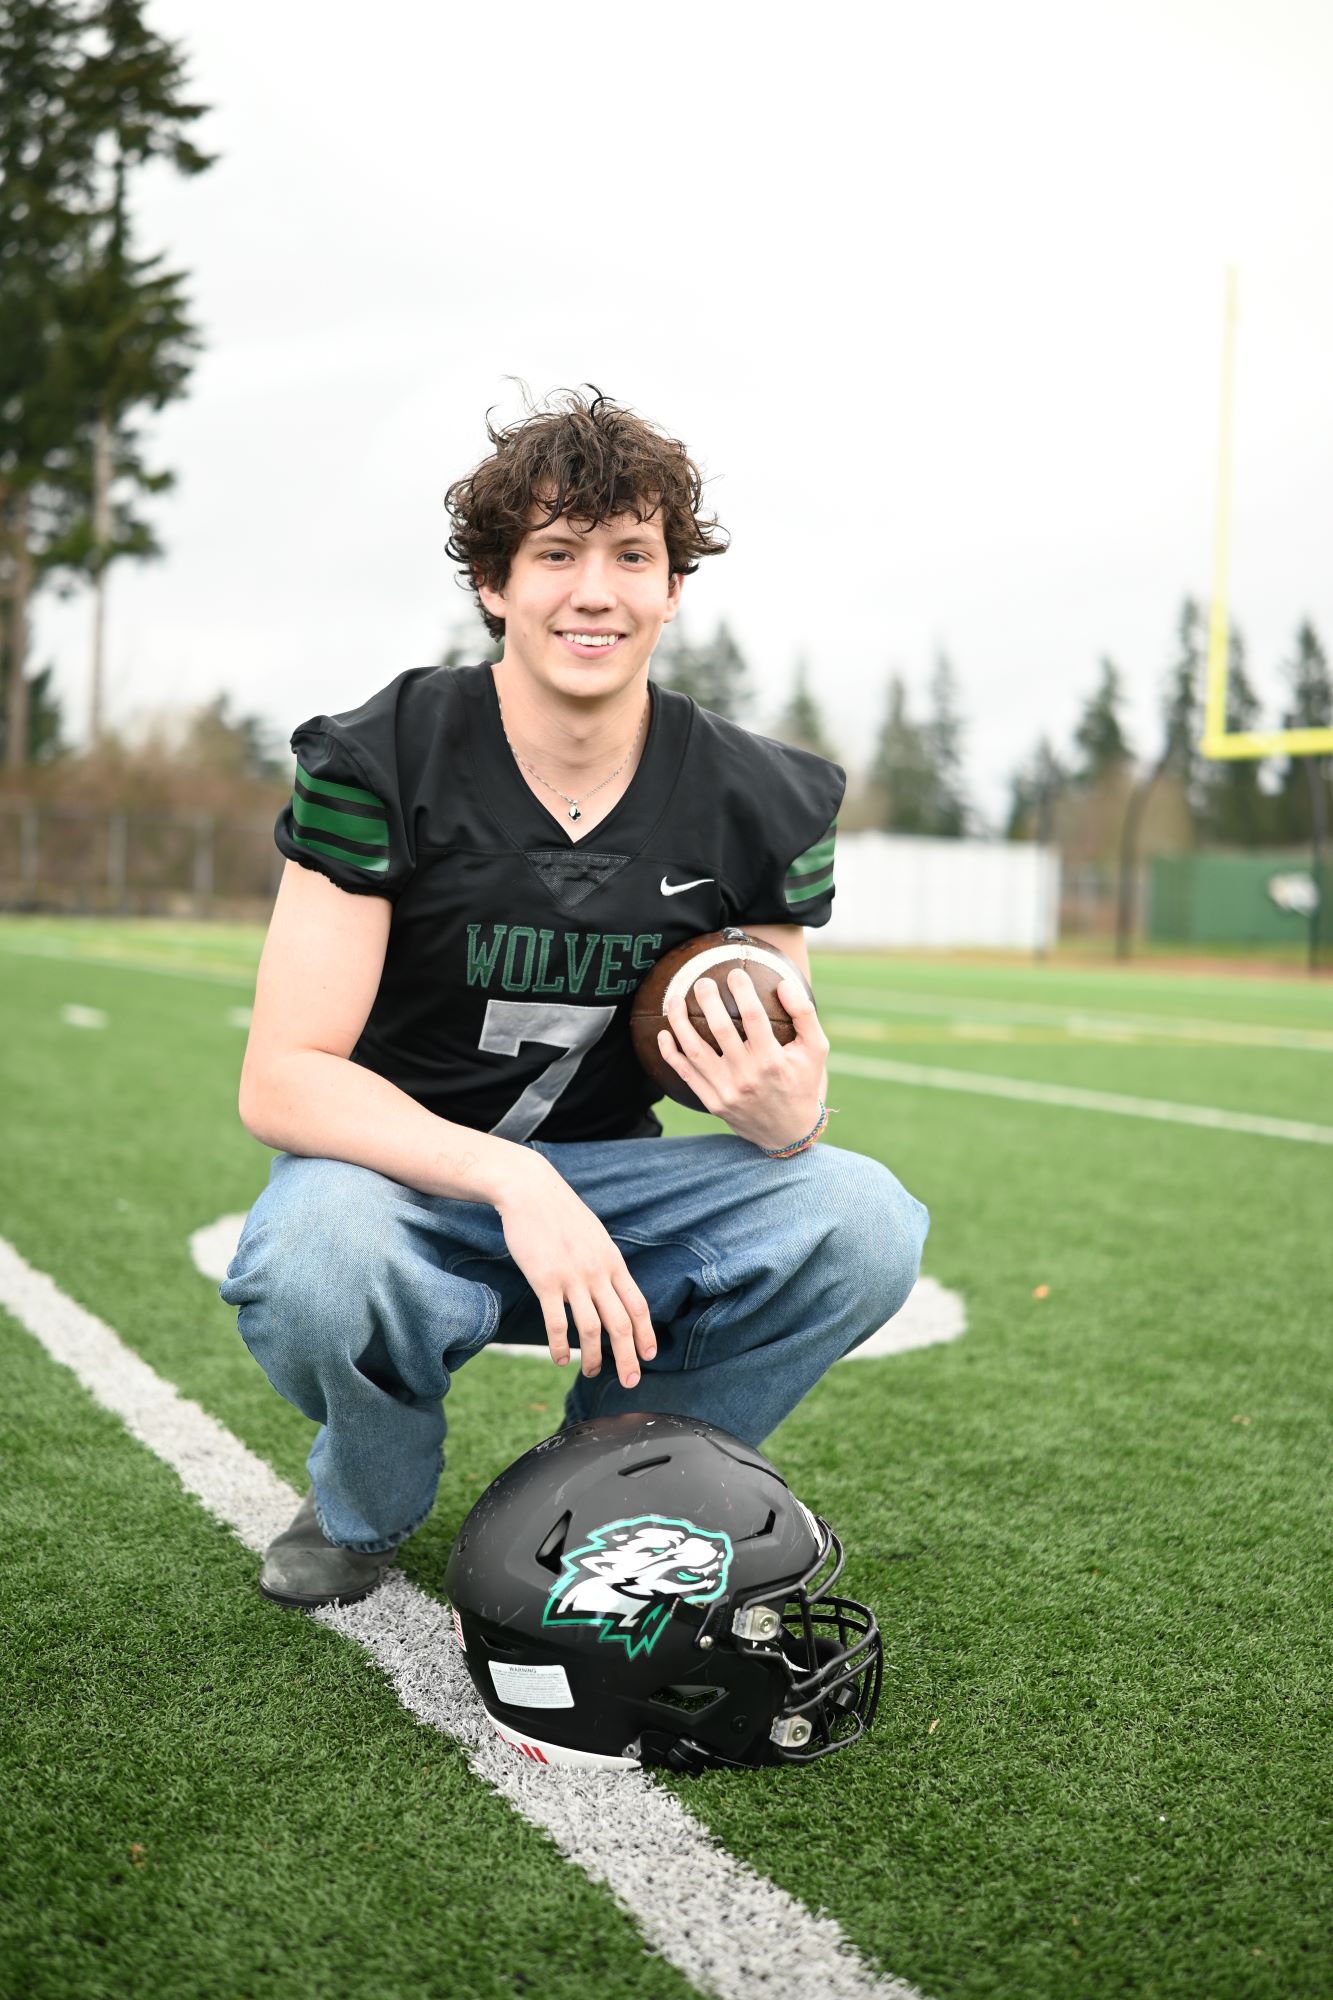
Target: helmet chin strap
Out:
[657,1751]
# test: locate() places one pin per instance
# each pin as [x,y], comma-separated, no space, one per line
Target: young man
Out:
[482,865]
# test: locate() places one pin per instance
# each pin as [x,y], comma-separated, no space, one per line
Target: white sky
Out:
[933,293]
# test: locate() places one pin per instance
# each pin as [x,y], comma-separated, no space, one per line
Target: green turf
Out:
[1104,1592]
[209,1796]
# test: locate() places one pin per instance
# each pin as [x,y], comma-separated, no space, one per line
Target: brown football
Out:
[711,956]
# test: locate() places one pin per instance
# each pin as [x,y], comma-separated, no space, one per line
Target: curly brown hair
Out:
[586,458]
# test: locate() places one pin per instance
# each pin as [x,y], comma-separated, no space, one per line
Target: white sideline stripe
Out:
[725,1927]
[1081,1021]
[1073,1099]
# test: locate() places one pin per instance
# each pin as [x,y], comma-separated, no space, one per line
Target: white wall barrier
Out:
[898,889]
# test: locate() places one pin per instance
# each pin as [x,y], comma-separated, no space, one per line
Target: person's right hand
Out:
[575,1269]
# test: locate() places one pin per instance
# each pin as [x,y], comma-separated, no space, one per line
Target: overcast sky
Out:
[933,293]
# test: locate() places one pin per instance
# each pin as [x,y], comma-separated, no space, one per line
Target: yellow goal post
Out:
[1218,740]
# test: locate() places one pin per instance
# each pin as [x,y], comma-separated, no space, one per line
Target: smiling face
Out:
[584,607]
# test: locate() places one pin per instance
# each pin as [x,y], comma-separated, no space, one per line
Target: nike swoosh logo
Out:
[676,888]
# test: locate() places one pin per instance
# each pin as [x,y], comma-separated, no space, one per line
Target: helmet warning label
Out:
[530,1687]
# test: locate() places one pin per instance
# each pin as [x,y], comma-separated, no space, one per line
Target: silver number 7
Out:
[510,1023]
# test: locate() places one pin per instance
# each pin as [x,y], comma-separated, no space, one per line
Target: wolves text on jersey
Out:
[519,959]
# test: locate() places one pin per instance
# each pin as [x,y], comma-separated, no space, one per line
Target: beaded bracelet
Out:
[790,1152]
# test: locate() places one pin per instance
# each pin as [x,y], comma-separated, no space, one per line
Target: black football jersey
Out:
[514,949]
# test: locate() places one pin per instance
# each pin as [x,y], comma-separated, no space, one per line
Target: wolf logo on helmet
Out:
[629,1575]
[648,1638]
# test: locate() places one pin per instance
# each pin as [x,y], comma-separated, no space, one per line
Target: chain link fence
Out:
[100,860]
[104,860]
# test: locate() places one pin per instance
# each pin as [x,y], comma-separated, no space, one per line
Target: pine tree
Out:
[1177,754]
[1311,707]
[713,672]
[47,170]
[241,746]
[88,332]
[944,749]
[1235,811]
[802,721]
[902,773]
[1099,734]
[469,644]
[132,332]
[1034,791]
[1182,704]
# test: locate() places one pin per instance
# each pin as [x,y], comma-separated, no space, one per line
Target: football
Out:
[711,956]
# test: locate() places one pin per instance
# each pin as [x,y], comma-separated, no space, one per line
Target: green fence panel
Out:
[1229,898]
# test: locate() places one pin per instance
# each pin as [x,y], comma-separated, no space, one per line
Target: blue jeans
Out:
[359,1298]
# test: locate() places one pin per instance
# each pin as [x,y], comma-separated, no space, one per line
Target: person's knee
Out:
[877,1229]
[305,1264]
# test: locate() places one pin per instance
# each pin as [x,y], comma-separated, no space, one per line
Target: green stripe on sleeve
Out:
[809,889]
[813,859]
[371,832]
[327,789]
[341,854]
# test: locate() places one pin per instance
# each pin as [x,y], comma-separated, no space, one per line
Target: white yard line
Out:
[726,1928]
[97,961]
[76,1016]
[1080,1021]
[1068,1097]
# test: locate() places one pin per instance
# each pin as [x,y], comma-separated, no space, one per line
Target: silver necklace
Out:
[575,805]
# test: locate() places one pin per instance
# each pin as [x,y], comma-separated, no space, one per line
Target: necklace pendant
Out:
[576,812]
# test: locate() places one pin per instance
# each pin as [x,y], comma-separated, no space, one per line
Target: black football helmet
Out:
[646,1589]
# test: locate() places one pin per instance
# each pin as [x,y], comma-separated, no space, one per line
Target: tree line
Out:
[94,336]
[1245,802]
[915,782]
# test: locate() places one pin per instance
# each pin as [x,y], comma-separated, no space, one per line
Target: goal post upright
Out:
[1215,699]
[1218,741]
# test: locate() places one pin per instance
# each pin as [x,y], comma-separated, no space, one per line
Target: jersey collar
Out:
[524,818]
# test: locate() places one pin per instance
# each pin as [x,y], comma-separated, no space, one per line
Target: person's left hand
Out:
[766,1092]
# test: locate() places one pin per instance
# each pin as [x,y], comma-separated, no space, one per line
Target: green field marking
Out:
[1107,1593]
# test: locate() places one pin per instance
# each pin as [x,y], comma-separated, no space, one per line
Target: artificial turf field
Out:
[1094,1528]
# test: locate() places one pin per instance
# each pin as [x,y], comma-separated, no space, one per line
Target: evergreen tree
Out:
[1033,793]
[944,750]
[1311,707]
[238,746]
[713,672]
[1099,734]
[43,716]
[1177,754]
[469,644]
[1182,706]
[1235,811]
[131,330]
[88,332]
[47,170]
[802,721]
[902,772]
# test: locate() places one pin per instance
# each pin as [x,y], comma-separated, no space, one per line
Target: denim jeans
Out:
[360,1297]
